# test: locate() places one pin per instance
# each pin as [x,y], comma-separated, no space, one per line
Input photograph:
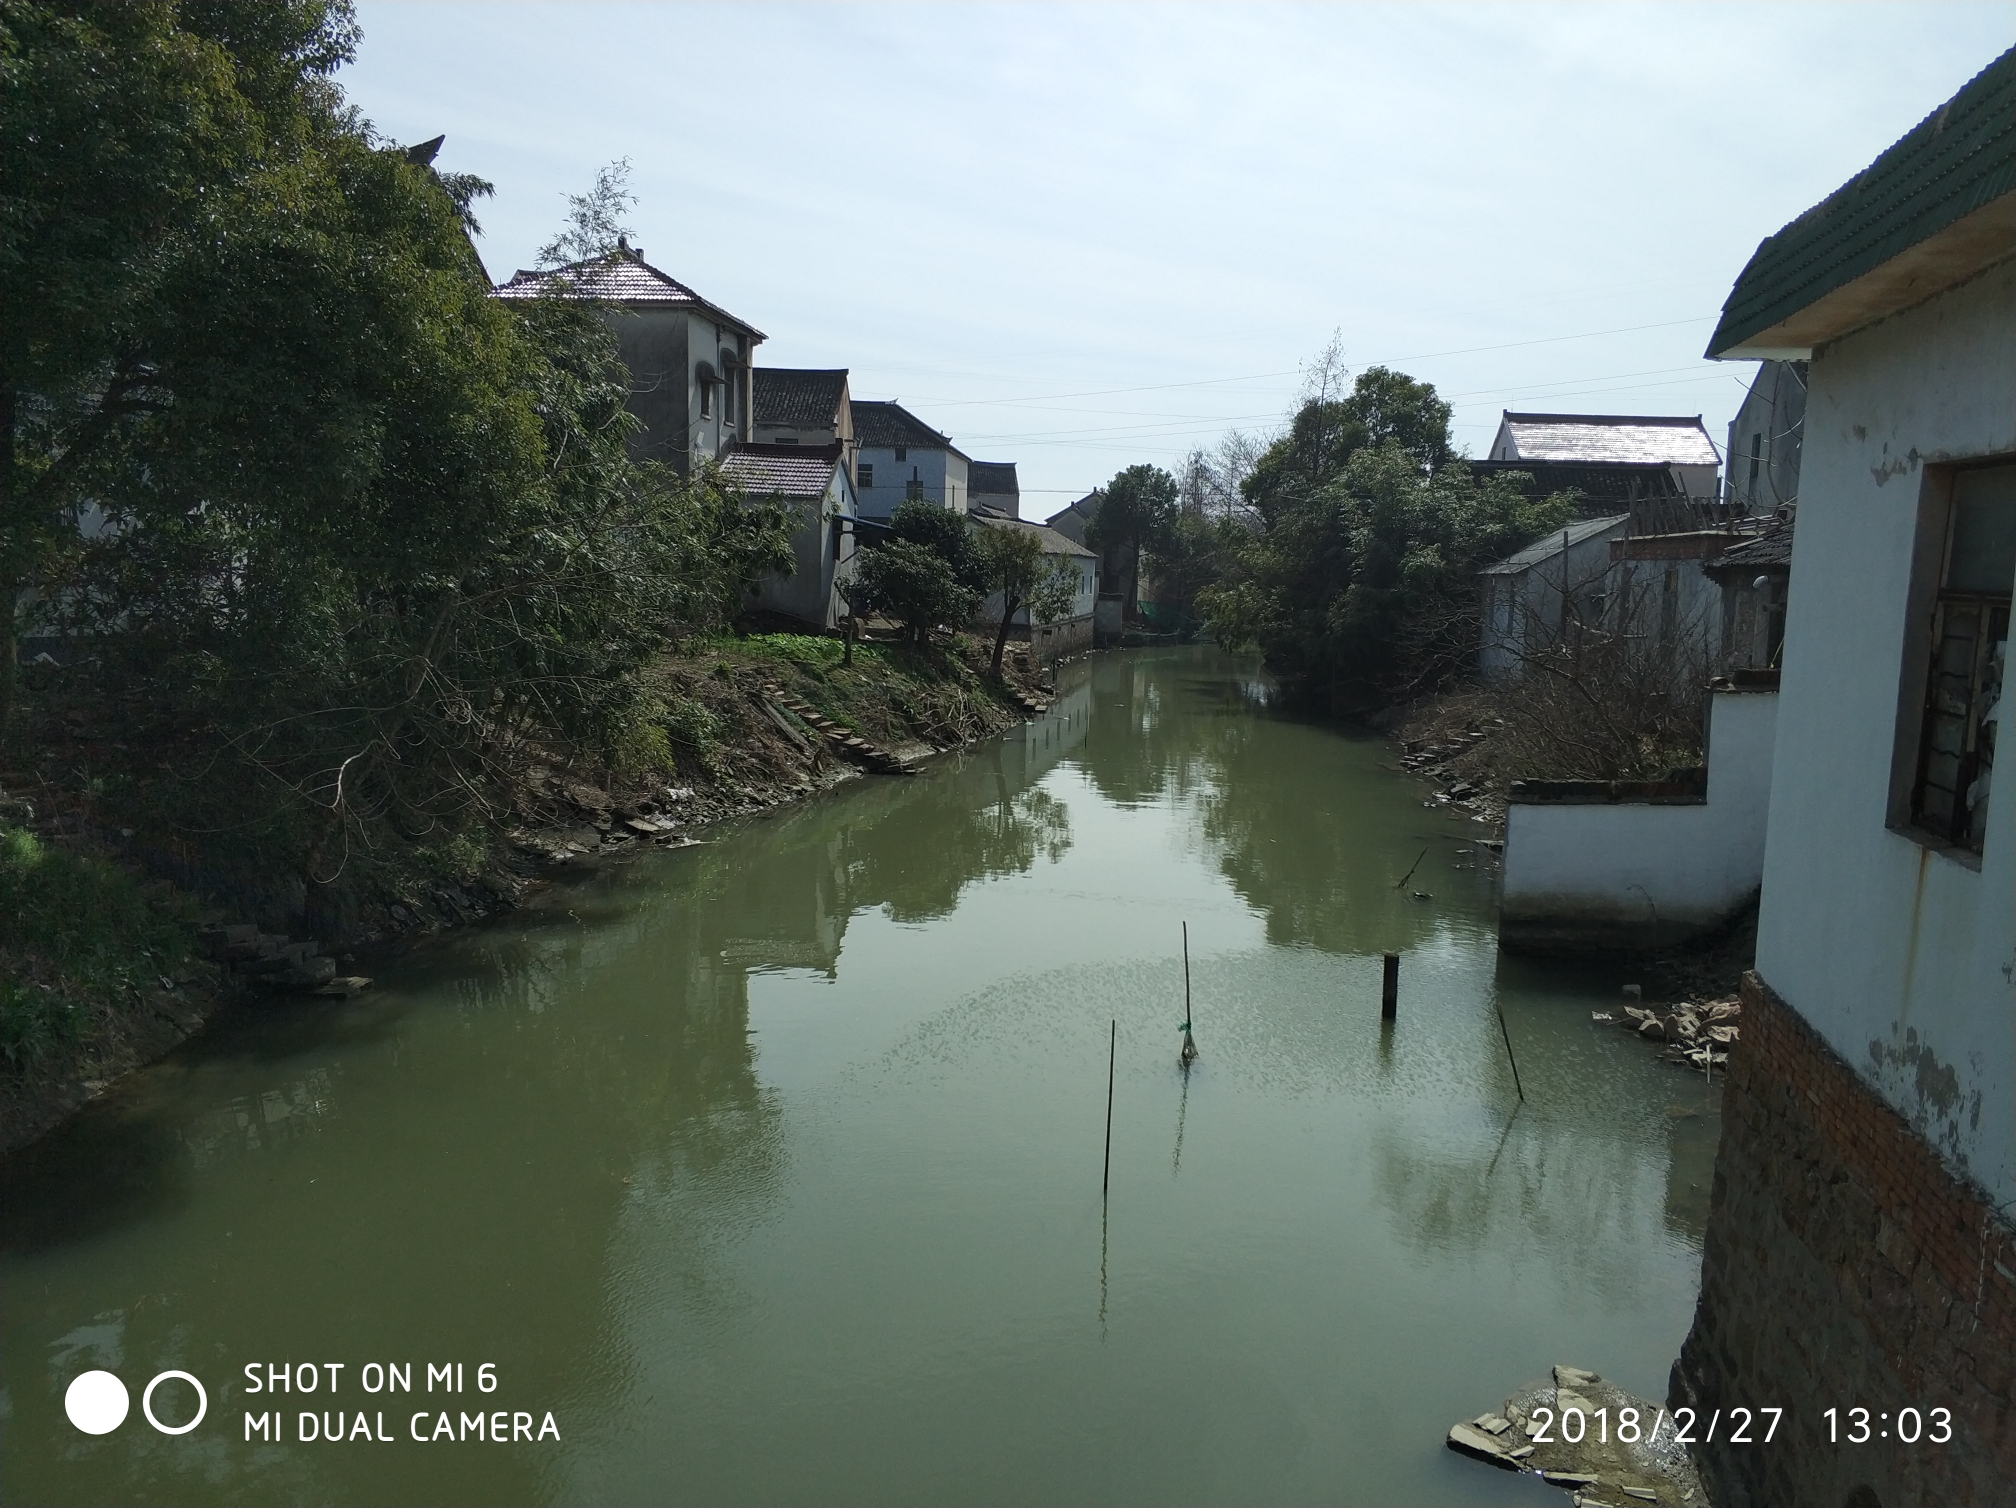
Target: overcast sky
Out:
[1081,237]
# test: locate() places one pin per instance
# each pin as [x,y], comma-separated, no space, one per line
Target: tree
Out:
[369,529]
[1327,431]
[912,584]
[1364,590]
[1188,557]
[134,138]
[946,534]
[1015,566]
[1139,506]
[597,221]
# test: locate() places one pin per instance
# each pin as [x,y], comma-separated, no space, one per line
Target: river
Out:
[770,1168]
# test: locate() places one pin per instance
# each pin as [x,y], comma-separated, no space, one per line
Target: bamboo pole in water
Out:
[1112,1052]
[1506,1033]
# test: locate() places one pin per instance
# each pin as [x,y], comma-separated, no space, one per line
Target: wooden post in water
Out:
[1506,1033]
[1389,990]
[1112,1052]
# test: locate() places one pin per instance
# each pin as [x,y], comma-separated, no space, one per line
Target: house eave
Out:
[1951,256]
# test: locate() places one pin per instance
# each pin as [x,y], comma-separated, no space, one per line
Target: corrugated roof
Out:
[888,424]
[1611,437]
[1548,545]
[1957,160]
[1053,543]
[796,472]
[798,395]
[621,277]
[992,478]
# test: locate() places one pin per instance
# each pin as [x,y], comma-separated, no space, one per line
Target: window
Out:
[913,490]
[731,386]
[902,452]
[1969,646]
[703,378]
[867,475]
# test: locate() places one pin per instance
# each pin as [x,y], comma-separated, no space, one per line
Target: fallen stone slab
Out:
[1599,1468]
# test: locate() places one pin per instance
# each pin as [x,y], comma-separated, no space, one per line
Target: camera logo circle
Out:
[147,1404]
[97,1402]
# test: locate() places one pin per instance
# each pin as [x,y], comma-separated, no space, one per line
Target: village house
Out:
[803,406]
[689,359]
[1066,635]
[1534,597]
[901,457]
[1859,1251]
[1661,469]
[1764,440]
[813,481]
[1110,611]
[995,488]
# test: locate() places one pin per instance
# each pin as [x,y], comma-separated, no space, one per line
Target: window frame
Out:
[1927,603]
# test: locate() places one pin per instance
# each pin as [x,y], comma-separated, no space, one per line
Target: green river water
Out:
[770,1168]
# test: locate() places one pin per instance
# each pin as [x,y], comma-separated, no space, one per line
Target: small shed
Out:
[814,482]
[1529,598]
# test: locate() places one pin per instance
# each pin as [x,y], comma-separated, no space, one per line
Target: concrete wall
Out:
[942,474]
[1526,609]
[1769,427]
[1844,1268]
[809,593]
[663,348]
[1589,873]
[1898,954]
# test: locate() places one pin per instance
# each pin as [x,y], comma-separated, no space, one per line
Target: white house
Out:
[1765,439]
[1860,1244]
[1530,598]
[689,359]
[813,481]
[900,457]
[1072,632]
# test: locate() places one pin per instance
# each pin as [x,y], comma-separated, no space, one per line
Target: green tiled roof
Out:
[1959,158]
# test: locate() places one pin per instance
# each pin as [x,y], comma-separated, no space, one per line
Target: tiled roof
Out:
[793,472]
[1957,160]
[1771,548]
[992,478]
[1551,544]
[1611,437]
[798,395]
[621,277]
[886,424]
[1084,507]
[1053,543]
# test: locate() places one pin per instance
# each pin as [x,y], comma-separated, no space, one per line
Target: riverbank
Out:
[105,967]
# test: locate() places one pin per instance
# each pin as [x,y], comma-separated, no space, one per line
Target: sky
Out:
[1082,237]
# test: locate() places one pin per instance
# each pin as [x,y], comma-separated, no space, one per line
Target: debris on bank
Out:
[1435,759]
[1698,1034]
[1599,1469]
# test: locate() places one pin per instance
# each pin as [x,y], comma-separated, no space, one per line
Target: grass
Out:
[78,938]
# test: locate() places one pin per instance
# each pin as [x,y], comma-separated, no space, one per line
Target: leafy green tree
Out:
[134,139]
[1191,555]
[1383,406]
[369,530]
[598,222]
[946,534]
[1014,564]
[1138,509]
[913,584]
[1365,590]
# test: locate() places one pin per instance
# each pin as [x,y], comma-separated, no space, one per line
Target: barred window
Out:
[1969,648]
[867,474]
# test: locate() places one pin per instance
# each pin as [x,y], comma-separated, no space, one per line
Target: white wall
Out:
[1638,872]
[1511,601]
[1899,956]
[808,593]
[942,473]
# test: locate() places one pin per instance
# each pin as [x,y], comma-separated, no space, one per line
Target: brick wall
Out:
[1845,1265]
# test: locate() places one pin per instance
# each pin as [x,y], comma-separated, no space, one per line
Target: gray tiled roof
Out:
[992,478]
[621,277]
[1957,160]
[886,424]
[1611,437]
[1052,542]
[793,472]
[798,395]
[1771,548]
[1084,507]
[1552,543]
